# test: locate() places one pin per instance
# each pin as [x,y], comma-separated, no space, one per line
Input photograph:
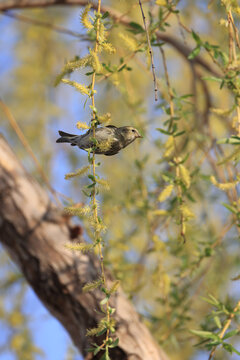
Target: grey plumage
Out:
[109,139]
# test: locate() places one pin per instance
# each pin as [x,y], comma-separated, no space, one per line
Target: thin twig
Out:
[45,24]
[171,104]
[94,201]
[181,27]
[150,52]
[170,93]
[26,145]
[226,326]
[232,53]
[235,31]
[231,42]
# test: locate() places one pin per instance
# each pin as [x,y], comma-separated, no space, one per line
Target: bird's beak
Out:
[140,136]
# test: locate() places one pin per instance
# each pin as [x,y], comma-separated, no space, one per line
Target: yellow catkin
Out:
[92,285]
[102,33]
[79,172]
[103,183]
[79,87]
[108,47]
[129,42]
[80,247]
[77,211]
[85,18]
[78,64]
[159,245]
[160,212]
[169,147]
[223,186]
[105,145]
[185,176]
[223,22]
[105,118]
[165,283]
[96,65]
[114,287]
[97,226]
[186,212]
[17,342]
[235,122]
[165,193]
[114,78]
[161,2]
[221,112]
[82,126]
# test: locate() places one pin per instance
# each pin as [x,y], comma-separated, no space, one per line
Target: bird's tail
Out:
[65,137]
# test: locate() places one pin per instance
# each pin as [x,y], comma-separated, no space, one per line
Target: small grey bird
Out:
[109,139]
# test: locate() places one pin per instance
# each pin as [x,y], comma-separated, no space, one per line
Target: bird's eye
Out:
[133,130]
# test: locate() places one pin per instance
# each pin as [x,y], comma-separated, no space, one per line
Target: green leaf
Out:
[158,44]
[165,132]
[94,109]
[233,156]
[231,333]
[122,67]
[208,251]
[105,356]
[196,38]
[91,177]
[105,15]
[96,351]
[104,301]
[101,332]
[186,96]
[206,334]
[194,53]
[233,140]
[179,133]
[94,348]
[230,208]
[114,343]
[217,322]
[136,28]
[89,73]
[211,78]
[229,348]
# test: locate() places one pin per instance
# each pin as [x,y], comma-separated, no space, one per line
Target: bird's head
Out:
[129,134]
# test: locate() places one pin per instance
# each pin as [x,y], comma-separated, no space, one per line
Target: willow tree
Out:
[163,215]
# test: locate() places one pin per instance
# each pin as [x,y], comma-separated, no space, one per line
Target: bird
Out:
[108,140]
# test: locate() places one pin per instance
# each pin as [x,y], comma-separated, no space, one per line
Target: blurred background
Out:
[165,278]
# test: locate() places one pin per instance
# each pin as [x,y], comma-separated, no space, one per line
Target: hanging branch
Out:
[179,167]
[44,24]
[28,148]
[150,52]
[97,239]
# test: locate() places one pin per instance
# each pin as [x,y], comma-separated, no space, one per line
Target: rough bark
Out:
[34,233]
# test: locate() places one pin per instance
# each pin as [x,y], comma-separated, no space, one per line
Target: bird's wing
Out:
[102,135]
[111,126]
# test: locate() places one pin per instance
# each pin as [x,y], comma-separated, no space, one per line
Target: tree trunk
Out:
[34,233]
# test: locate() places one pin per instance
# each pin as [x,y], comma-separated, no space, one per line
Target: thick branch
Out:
[117,17]
[34,233]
